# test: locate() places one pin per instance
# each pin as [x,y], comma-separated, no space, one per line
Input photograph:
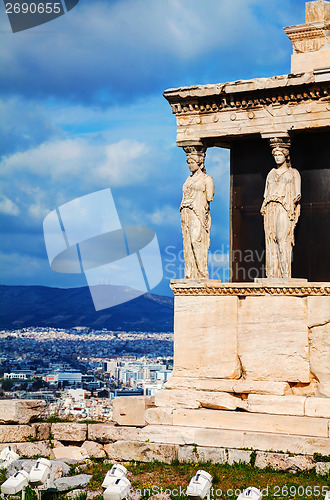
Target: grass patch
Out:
[253,457]
[89,422]
[155,477]
[31,439]
[321,458]
[54,419]
[3,475]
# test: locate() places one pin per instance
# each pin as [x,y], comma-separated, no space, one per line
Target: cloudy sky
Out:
[82,110]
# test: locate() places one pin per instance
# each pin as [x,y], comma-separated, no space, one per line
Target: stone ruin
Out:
[251,357]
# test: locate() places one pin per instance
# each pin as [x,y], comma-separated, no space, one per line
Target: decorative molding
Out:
[248,290]
[307,37]
[251,100]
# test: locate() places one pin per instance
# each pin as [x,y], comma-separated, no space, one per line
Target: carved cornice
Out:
[256,99]
[308,37]
[246,290]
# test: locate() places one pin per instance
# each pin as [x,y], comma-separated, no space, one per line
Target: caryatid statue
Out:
[281,210]
[198,192]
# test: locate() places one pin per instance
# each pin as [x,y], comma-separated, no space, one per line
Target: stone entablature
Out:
[285,103]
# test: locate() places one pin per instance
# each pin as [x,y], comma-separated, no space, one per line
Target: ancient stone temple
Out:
[245,116]
[252,356]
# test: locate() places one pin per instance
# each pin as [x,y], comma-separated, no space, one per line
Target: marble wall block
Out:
[205,339]
[273,338]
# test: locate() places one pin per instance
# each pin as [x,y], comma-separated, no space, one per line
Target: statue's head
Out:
[281,150]
[195,157]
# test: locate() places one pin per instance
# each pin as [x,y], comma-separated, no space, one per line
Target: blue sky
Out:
[82,110]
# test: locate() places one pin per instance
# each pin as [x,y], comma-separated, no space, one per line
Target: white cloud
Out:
[87,161]
[164,216]
[25,122]
[123,163]
[37,211]
[7,206]
[17,265]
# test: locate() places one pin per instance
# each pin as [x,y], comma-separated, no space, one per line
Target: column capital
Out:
[275,134]
[191,142]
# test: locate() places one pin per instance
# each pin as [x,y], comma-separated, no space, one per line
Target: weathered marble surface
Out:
[279,405]
[251,332]
[70,452]
[41,448]
[318,407]
[131,411]
[109,433]
[93,450]
[283,461]
[225,385]
[227,438]
[317,11]
[16,433]
[198,399]
[319,340]
[20,411]
[69,431]
[205,340]
[273,339]
[281,424]
[142,451]
[159,416]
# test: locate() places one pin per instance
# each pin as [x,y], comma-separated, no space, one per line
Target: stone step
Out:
[279,424]
[240,439]
[135,450]
[253,403]
[229,385]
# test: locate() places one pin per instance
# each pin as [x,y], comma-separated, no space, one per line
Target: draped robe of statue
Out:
[281,211]
[198,191]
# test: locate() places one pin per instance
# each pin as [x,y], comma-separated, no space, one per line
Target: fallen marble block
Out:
[72,482]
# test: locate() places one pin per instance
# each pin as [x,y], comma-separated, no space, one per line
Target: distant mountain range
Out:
[23,306]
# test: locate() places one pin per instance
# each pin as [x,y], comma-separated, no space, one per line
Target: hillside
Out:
[23,306]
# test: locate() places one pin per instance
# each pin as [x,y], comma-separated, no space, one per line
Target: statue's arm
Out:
[297,186]
[264,203]
[209,183]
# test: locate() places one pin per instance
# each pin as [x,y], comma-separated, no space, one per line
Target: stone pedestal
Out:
[251,365]
[252,332]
